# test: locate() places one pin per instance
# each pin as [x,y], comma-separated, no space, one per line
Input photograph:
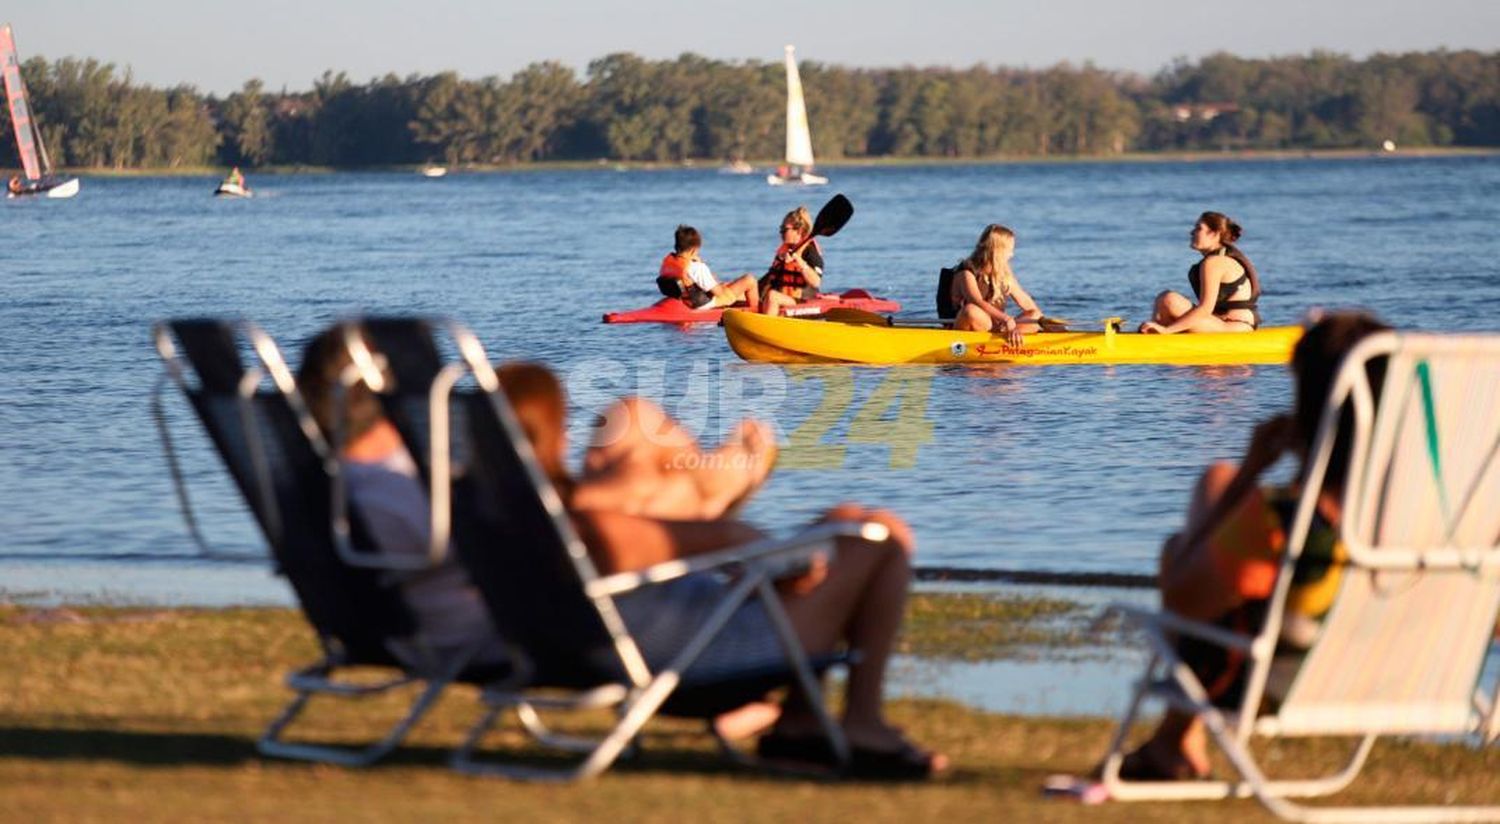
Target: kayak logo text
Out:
[820,418]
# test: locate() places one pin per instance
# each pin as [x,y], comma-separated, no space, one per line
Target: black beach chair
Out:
[548,601]
[283,466]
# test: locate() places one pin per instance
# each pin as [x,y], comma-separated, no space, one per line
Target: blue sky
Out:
[217,45]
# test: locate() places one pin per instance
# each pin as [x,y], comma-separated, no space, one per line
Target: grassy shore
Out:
[114,713]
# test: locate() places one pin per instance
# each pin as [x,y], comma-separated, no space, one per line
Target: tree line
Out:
[627,108]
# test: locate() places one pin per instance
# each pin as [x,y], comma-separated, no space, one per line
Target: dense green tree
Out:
[245,123]
[629,108]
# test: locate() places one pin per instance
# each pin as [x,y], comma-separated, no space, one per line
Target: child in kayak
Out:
[983,282]
[1224,281]
[797,270]
[686,277]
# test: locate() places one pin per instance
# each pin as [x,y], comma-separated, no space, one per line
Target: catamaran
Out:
[799,155]
[39,179]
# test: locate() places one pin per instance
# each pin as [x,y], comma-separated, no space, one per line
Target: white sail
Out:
[798,136]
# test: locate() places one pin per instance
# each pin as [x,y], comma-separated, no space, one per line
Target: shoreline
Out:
[197,582]
[607,165]
[154,714]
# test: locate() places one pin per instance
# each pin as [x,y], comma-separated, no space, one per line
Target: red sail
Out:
[20,110]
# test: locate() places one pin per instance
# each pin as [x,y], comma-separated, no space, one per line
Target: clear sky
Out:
[218,45]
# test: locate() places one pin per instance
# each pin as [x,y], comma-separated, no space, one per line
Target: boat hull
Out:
[672,310]
[795,340]
[804,179]
[232,190]
[67,188]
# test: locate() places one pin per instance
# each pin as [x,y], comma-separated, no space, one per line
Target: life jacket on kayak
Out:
[946,308]
[787,274]
[674,282]
[1226,301]
[948,305]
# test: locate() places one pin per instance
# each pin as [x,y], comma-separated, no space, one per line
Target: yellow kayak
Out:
[769,339]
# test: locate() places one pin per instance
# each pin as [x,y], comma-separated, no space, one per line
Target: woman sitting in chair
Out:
[1221,567]
[855,598]
[649,494]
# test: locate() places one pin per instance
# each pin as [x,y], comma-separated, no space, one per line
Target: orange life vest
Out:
[786,273]
[676,268]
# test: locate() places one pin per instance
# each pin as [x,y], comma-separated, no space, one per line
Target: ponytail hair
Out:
[1221,224]
[1228,232]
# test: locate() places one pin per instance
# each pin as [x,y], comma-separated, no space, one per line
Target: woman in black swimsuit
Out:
[1224,282]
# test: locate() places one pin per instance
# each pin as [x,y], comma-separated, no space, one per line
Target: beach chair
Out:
[282,465]
[1402,650]
[547,599]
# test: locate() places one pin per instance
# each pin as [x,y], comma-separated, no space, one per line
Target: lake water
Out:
[1073,468]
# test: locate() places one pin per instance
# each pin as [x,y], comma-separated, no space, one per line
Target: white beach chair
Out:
[1402,650]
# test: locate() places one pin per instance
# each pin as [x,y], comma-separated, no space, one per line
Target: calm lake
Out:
[1071,468]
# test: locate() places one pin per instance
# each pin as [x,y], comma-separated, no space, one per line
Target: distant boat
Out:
[736,167]
[37,165]
[434,171]
[233,186]
[798,170]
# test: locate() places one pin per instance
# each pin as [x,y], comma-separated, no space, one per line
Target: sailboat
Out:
[39,179]
[797,170]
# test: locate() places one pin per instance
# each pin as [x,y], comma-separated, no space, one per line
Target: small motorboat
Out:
[434,171]
[233,185]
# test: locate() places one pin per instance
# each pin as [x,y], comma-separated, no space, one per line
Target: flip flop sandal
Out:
[1138,766]
[904,764]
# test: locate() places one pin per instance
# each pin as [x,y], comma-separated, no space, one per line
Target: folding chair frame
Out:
[643,692]
[1170,680]
[319,678]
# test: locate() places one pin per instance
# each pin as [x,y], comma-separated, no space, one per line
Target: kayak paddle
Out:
[831,218]
[843,314]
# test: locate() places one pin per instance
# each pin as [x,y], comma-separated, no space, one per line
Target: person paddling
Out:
[684,275]
[1225,283]
[796,271]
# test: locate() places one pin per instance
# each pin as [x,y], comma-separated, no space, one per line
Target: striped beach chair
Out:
[1403,649]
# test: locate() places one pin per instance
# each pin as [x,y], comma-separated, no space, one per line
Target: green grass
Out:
[140,714]
[979,627]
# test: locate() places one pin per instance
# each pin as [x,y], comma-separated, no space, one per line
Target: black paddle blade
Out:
[832,217]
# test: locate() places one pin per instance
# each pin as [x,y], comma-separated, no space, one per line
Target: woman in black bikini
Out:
[1224,282]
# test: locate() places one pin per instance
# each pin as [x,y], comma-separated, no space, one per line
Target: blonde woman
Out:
[984,282]
[796,272]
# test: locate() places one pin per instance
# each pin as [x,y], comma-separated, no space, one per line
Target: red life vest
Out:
[786,273]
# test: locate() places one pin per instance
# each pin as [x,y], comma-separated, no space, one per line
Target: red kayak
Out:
[672,310]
